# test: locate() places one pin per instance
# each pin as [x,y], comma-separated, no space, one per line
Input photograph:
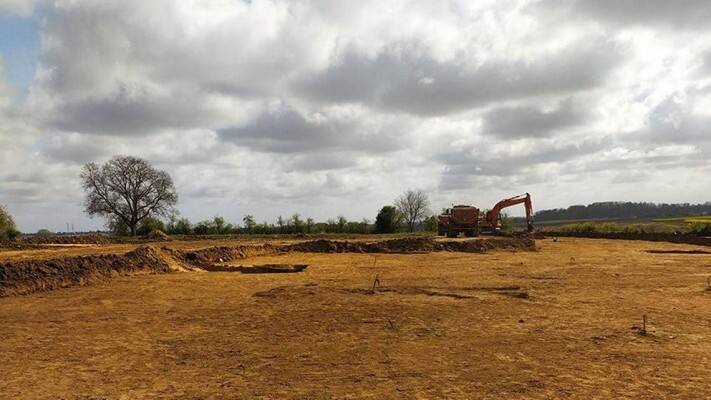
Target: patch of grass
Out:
[611,227]
[700,226]
[686,220]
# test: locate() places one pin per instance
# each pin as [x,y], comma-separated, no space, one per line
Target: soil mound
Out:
[24,277]
[486,244]
[412,245]
[157,235]
[67,239]
[409,245]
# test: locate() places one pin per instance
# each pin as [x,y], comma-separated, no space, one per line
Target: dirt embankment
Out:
[67,239]
[412,245]
[23,277]
[647,236]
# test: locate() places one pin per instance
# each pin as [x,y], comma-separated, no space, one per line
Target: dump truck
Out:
[459,219]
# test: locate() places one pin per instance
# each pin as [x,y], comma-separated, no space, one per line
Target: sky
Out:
[327,108]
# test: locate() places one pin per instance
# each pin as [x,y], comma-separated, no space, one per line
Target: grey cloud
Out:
[400,79]
[323,162]
[208,192]
[77,152]
[706,59]
[672,122]
[461,166]
[631,176]
[90,44]
[679,14]
[287,131]
[135,113]
[529,121]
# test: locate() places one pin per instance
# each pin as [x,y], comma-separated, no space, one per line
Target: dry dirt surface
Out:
[561,322]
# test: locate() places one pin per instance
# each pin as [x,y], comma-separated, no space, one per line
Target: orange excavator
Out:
[491,221]
[469,220]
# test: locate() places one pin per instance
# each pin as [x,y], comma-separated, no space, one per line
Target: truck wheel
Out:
[470,233]
[452,234]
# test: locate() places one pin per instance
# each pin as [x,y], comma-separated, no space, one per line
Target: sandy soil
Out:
[562,322]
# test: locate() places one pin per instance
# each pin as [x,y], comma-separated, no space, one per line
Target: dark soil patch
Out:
[678,251]
[24,277]
[259,269]
[414,245]
[67,239]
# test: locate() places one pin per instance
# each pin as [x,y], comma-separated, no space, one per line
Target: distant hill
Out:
[615,209]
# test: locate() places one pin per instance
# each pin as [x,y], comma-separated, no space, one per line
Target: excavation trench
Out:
[461,293]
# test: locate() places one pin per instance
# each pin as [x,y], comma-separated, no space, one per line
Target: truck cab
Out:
[459,219]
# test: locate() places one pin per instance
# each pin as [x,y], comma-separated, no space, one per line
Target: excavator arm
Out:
[493,215]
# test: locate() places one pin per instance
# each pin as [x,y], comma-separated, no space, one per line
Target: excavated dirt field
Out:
[410,318]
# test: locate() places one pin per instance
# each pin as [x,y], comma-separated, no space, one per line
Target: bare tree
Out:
[414,207]
[127,189]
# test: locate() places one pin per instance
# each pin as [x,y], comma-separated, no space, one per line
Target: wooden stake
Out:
[376,284]
[644,325]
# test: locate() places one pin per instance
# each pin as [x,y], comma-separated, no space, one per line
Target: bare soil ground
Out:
[560,322]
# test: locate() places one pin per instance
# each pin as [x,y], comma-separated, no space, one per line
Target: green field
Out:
[689,220]
[688,224]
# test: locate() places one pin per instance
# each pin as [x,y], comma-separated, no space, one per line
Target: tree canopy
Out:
[127,190]
[388,220]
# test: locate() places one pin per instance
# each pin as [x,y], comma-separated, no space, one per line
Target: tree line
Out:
[136,198]
[613,209]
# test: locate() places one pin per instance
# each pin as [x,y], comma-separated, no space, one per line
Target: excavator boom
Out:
[493,216]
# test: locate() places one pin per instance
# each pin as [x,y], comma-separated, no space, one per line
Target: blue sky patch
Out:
[20,48]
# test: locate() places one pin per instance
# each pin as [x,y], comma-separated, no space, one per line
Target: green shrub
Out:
[45,233]
[431,224]
[149,225]
[8,230]
[179,226]
[117,227]
[388,220]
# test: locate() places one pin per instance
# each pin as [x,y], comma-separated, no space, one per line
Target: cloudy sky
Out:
[321,107]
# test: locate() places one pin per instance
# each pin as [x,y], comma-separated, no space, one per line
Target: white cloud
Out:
[21,8]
